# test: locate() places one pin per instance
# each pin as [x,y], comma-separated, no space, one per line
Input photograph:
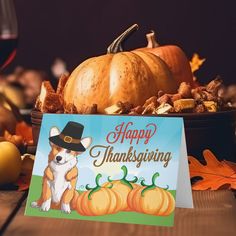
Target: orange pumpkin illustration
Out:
[150,199]
[98,200]
[122,187]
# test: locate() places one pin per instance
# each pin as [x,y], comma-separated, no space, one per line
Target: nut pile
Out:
[210,98]
[51,101]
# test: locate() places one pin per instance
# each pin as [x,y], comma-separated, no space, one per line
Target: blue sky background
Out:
[166,139]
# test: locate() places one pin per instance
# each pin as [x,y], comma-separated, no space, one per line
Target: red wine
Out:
[7,50]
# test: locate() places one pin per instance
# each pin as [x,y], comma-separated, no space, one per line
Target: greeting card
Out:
[125,169]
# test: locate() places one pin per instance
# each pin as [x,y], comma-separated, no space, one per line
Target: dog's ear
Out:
[86,142]
[54,131]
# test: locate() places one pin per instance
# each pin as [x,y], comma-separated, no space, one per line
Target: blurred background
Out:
[75,30]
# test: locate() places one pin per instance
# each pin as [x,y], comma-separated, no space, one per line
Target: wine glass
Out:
[8,32]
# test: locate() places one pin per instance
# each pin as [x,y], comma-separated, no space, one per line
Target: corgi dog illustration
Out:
[60,176]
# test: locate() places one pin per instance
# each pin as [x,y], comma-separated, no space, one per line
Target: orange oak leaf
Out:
[214,174]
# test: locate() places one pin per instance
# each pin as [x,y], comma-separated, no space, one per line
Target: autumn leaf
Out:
[214,174]
[196,62]
[23,182]
[24,130]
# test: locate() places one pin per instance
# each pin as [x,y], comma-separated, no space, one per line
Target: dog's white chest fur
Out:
[59,183]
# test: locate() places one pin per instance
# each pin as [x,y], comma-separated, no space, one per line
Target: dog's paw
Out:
[34,204]
[65,207]
[46,205]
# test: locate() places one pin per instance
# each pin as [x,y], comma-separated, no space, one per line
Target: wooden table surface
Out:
[214,214]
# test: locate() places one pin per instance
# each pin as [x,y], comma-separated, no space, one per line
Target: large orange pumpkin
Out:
[98,201]
[122,187]
[173,56]
[118,76]
[151,199]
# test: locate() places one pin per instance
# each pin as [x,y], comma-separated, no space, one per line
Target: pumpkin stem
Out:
[116,45]
[151,39]
[110,179]
[149,187]
[98,177]
[166,188]
[123,180]
[110,186]
[134,180]
[87,187]
[154,177]
[96,188]
[143,183]
[146,189]
[125,171]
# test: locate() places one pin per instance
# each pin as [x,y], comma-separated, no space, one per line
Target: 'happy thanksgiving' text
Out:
[122,132]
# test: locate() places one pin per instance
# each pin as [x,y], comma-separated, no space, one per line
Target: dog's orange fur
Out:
[70,195]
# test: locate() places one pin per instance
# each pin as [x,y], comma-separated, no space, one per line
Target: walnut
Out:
[150,109]
[90,109]
[152,99]
[209,96]
[175,97]
[214,85]
[164,99]
[136,110]
[185,90]
[160,93]
[200,108]
[126,107]
[199,93]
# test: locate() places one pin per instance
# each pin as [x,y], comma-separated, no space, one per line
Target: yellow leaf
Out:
[196,62]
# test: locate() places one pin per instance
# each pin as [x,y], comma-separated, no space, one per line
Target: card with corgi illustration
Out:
[126,169]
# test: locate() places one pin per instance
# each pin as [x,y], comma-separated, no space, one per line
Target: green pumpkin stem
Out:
[116,45]
[149,187]
[154,177]
[123,180]
[151,39]
[166,188]
[109,179]
[134,180]
[143,183]
[96,188]
[125,171]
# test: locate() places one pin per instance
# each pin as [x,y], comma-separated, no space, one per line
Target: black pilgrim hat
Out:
[70,137]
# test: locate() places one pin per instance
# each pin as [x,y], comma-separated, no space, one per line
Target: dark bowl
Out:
[36,119]
[214,131]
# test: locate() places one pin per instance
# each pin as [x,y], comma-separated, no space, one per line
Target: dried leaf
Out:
[196,62]
[23,182]
[215,174]
[24,130]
